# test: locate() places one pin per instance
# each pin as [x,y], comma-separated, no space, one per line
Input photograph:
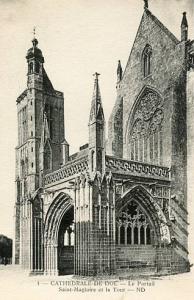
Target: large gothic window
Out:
[145,129]
[133,226]
[147,53]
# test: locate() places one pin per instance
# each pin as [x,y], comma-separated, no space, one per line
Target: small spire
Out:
[184,20]
[119,72]
[96,106]
[34,52]
[145,4]
[184,28]
[96,93]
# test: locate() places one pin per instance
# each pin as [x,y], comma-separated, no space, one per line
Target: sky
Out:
[77,38]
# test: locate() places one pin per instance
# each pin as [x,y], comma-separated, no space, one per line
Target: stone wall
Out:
[168,79]
[169,262]
[54,104]
[136,259]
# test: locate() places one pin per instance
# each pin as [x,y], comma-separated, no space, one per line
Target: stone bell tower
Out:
[29,111]
[40,110]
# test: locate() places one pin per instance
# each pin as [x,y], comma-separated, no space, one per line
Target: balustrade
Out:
[67,171]
[136,168]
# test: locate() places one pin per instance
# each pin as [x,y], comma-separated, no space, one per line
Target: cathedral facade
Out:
[118,205]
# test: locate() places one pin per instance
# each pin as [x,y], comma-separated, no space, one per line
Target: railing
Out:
[136,168]
[113,164]
[68,170]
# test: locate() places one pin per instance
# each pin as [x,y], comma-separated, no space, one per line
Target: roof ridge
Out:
[160,24]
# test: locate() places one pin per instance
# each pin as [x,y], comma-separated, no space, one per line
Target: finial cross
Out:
[34,32]
[96,75]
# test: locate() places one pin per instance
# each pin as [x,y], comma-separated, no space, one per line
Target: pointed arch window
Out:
[145,133]
[133,226]
[147,53]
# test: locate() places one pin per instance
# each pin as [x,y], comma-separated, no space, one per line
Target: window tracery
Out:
[145,134]
[133,226]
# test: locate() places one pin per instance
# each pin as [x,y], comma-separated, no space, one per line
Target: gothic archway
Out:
[141,227]
[66,244]
[58,218]
[149,206]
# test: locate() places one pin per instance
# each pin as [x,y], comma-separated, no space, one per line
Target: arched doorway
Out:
[58,237]
[66,244]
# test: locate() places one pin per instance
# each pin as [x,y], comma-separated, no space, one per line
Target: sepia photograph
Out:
[97,149]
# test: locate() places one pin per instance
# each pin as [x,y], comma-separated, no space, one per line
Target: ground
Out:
[16,284]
